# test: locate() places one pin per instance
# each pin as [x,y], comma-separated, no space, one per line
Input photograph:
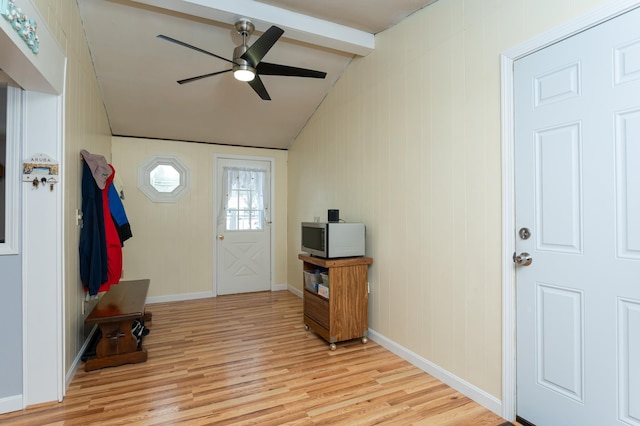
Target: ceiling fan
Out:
[247,62]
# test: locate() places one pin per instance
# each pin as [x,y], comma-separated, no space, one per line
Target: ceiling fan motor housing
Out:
[245,28]
[240,64]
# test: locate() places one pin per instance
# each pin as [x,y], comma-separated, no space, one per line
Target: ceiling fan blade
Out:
[256,52]
[189,80]
[256,84]
[182,43]
[265,68]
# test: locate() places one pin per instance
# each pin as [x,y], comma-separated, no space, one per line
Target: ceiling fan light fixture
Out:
[242,69]
[243,74]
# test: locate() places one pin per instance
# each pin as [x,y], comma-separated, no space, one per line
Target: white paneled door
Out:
[243,240]
[577,121]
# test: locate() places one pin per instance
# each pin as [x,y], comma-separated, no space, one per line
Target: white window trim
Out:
[15,112]
[144,178]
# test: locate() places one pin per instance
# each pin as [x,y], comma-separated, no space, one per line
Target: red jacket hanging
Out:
[114,247]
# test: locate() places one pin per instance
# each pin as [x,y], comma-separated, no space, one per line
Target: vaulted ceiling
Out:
[138,72]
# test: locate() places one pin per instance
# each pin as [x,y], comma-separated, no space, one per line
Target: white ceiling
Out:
[137,72]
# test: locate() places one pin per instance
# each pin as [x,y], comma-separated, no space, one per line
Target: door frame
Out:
[507,59]
[216,189]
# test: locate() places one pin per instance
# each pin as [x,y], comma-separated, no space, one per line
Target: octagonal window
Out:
[163,178]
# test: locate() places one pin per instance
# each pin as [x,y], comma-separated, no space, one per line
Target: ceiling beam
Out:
[296,25]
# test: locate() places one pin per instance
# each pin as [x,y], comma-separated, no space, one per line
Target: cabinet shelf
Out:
[316,294]
[344,314]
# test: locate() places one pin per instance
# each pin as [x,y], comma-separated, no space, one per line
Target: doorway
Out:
[625,382]
[243,225]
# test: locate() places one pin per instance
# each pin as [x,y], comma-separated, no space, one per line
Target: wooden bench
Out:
[115,314]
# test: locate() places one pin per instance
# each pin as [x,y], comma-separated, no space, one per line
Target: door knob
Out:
[221,237]
[523,259]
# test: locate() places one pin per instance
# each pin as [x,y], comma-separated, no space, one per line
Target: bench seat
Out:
[115,314]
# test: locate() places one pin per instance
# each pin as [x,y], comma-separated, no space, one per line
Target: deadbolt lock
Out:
[524,233]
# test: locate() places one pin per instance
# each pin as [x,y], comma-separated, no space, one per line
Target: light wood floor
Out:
[246,359]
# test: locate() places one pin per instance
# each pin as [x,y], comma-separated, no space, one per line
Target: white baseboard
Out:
[11,403]
[478,395]
[278,287]
[76,362]
[201,295]
[179,297]
[295,291]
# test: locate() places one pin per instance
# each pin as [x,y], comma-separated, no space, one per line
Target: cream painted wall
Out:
[86,127]
[172,243]
[408,141]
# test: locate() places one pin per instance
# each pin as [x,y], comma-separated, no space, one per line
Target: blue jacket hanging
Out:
[119,215]
[93,246]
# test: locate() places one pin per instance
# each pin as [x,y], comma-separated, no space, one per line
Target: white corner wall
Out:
[42,270]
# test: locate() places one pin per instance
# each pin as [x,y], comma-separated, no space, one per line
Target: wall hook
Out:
[51,181]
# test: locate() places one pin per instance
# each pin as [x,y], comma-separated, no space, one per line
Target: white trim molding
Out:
[179,297]
[298,27]
[75,365]
[11,403]
[278,287]
[478,395]
[14,130]
[192,296]
[507,59]
[294,290]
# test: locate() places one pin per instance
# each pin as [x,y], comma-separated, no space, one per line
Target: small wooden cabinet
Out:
[344,314]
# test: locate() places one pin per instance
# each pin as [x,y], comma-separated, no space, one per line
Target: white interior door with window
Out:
[243,225]
[577,191]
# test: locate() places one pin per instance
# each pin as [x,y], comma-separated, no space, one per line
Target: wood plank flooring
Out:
[247,360]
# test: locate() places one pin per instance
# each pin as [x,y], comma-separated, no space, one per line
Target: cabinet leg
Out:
[306,327]
[332,346]
[364,340]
